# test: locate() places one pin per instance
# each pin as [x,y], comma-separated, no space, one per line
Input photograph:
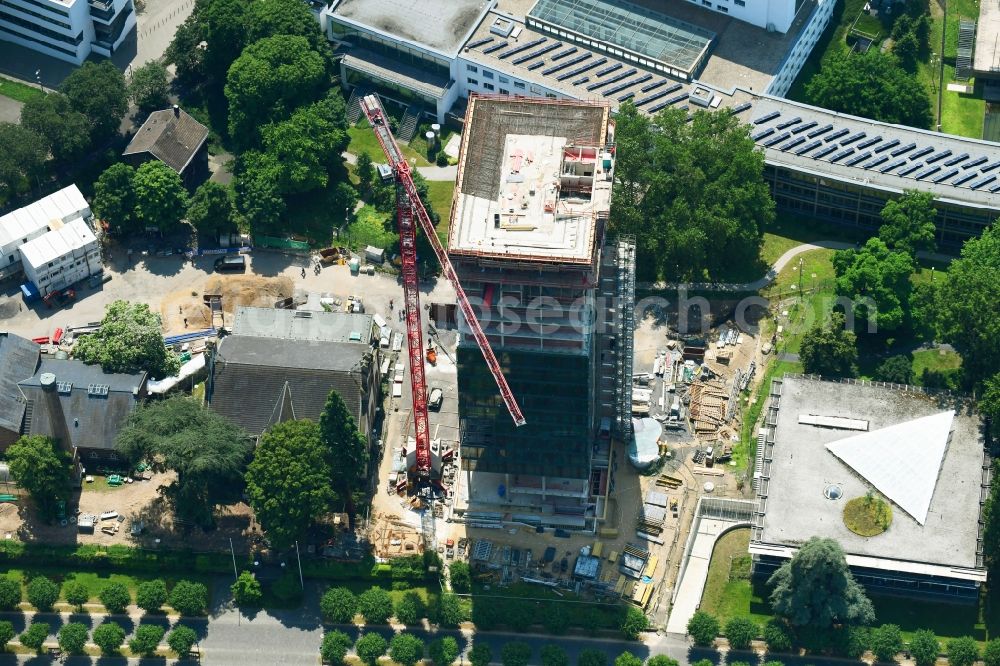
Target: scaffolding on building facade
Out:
[625,329]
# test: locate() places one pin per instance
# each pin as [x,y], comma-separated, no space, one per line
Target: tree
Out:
[816,589]
[908,223]
[180,639]
[160,197]
[258,198]
[73,637]
[109,636]
[897,369]
[634,623]
[924,647]
[346,447]
[693,194]
[76,594]
[877,281]
[740,632]
[66,130]
[188,598]
[829,350]
[246,591]
[556,620]
[375,605]
[444,652]
[963,651]
[148,89]
[207,451]
[35,636]
[271,78]
[308,143]
[991,653]
[115,597]
[703,628]
[288,482]
[338,605]
[480,655]
[989,399]
[42,593]
[515,653]
[907,51]
[99,92]
[461,578]
[267,18]
[224,24]
[365,171]
[22,161]
[886,642]
[410,608]
[146,639]
[591,658]
[10,593]
[369,648]
[114,197]
[129,339]
[776,636]
[450,611]
[406,649]
[151,595]
[185,53]
[42,468]
[968,303]
[661,660]
[334,647]
[871,85]
[7,633]
[211,209]
[627,659]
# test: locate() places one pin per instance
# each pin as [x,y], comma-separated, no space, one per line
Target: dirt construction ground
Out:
[185,308]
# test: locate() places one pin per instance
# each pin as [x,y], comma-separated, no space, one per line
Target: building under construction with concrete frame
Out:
[527,239]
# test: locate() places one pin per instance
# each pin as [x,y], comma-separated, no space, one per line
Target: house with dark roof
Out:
[280,365]
[18,360]
[175,138]
[80,406]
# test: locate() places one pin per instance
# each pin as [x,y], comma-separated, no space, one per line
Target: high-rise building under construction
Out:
[528,240]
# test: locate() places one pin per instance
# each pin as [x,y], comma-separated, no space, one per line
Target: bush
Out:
[180,640]
[10,593]
[703,628]
[151,595]
[963,651]
[740,632]
[334,648]
[146,639]
[591,658]
[375,605]
[42,593]
[461,577]
[410,608]
[288,588]
[115,597]
[73,637]
[556,620]
[443,651]
[991,653]
[109,637]
[7,634]
[924,647]
[777,638]
[554,655]
[485,616]
[369,648]
[339,605]
[246,591]
[661,660]
[886,642]
[188,598]
[480,655]
[515,653]
[35,635]
[442,159]
[635,622]
[406,649]
[76,594]
[627,659]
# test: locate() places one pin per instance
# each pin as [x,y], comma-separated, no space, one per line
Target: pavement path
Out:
[428,172]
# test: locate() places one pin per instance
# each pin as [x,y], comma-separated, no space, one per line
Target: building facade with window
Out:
[69,30]
[35,220]
[62,257]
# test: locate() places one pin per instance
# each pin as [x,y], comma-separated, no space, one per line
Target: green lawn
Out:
[363,140]
[369,227]
[18,91]
[96,582]
[831,42]
[787,231]
[962,114]
[727,593]
[935,360]
[440,194]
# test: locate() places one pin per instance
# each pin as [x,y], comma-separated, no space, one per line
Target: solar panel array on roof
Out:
[562,54]
[673,100]
[626,97]
[858,158]
[964,178]
[479,42]
[983,181]
[929,171]
[581,80]
[938,156]
[956,159]
[990,167]
[854,137]
[903,149]
[926,150]
[741,108]
[804,126]
[871,141]
[522,47]
[788,123]
[809,146]
[887,145]
[875,162]
[642,79]
[995,188]
[534,54]
[762,133]
[535,65]
[945,176]
[610,68]
[826,150]
[777,139]
[581,69]
[617,77]
[842,154]
[794,142]
[618,88]
[495,47]
[652,86]
[973,163]
[836,135]
[822,130]
[766,117]
[657,95]
[907,170]
[563,65]
[894,165]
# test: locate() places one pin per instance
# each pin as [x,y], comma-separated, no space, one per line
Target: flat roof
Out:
[23,222]
[74,235]
[987,52]
[303,325]
[643,31]
[439,25]
[512,200]
[799,468]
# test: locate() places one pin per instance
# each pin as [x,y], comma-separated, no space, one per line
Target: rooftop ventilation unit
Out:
[98,389]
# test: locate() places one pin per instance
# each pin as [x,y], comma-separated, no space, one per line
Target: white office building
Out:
[62,257]
[34,220]
[67,29]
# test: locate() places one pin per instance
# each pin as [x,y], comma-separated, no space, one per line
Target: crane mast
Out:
[409,212]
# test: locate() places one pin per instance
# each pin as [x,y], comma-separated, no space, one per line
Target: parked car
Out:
[231,263]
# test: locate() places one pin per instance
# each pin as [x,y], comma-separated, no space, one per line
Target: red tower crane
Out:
[408,207]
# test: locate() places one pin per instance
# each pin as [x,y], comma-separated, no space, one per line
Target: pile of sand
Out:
[235,290]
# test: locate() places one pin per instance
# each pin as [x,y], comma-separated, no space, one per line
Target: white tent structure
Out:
[902,461]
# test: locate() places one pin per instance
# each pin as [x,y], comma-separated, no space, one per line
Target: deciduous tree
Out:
[924,647]
[461,577]
[73,637]
[151,595]
[180,639]
[109,636]
[129,339]
[591,657]
[339,605]
[114,197]
[897,369]
[160,197]
[7,633]
[989,401]
[10,593]
[480,655]
[515,653]
[406,649]
[346,447]
[908,223]
[307,144]
[661,660]
[334,648]
[211,209]
[22,161]
[703,628]
[450,611]
[76,594]
[816,589]
[225,26]
[247,592]
[66,130]
[829,349]
[288,482]
[370,647]
[115,597]
[35,636]
[375,605]
[776,636]
[99,92]
[886,642]
[627,659]
[258,198]
[740,632]
[444,651]
[877,282]
[146,639]
[634,623]
[963,651]
[188,598]
[268,18]
[148,87]
[410,608]
[42,593]
[42,468]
